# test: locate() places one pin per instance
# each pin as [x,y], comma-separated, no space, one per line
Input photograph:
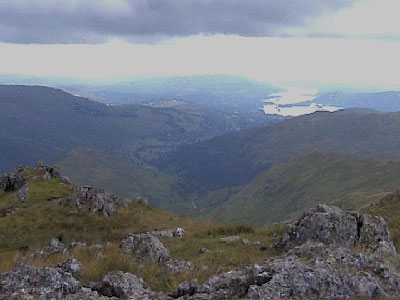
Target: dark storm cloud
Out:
[95,21]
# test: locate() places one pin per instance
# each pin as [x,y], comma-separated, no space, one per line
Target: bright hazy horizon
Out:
[352,43]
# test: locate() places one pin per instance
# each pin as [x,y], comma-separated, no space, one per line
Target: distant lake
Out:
[295,102]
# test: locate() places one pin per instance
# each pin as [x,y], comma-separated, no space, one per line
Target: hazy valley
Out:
[199,150]
[109,168]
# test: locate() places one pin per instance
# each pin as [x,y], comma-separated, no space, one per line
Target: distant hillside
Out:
[383,101]
[283,191]
[41,123]
[235,158]
[96,168]
[224,91]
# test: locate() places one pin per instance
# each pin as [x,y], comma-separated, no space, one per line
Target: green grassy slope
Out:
[40,218]
[285,190]
[96,168]
[235,158]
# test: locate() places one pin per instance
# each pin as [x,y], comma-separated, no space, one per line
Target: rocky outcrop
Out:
[31,282]
[186,289]
[289,278]
[145,246]
[333,226]
[49,172]
[324,273]
[22,193]
[126,286]
[94,200]
[141,200]
[56,246]
[327,254]
[12,181]
[16,181]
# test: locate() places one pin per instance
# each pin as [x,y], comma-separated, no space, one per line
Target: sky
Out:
[314,42]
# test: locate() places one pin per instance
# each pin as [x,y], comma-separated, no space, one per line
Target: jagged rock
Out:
[30,282]
[186,288]
[74,245]
[321,263]
[234,283]
[333,226]
[126,286]
[71,266]
[309,249]
[55,246]
[65,180]
[288,278]
[46,176]
[88,294]
[49,171]
[95,200]
[22,193]
[327,274]
[145,246]
[229,239]
[141,200]
[338,274]
[53,171]
[365,285]
[11,182]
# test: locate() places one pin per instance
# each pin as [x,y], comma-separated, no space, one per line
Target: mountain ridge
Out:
[42,122]
[235,158]
[284,190]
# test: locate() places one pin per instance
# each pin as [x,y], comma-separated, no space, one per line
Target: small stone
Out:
[178,266]
[203,250]
[22,193]
[245,242]
[46,176]
[65,180]
[141,200]
[229,239]
[179,232]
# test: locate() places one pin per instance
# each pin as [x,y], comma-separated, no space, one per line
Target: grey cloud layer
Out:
[93,21]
